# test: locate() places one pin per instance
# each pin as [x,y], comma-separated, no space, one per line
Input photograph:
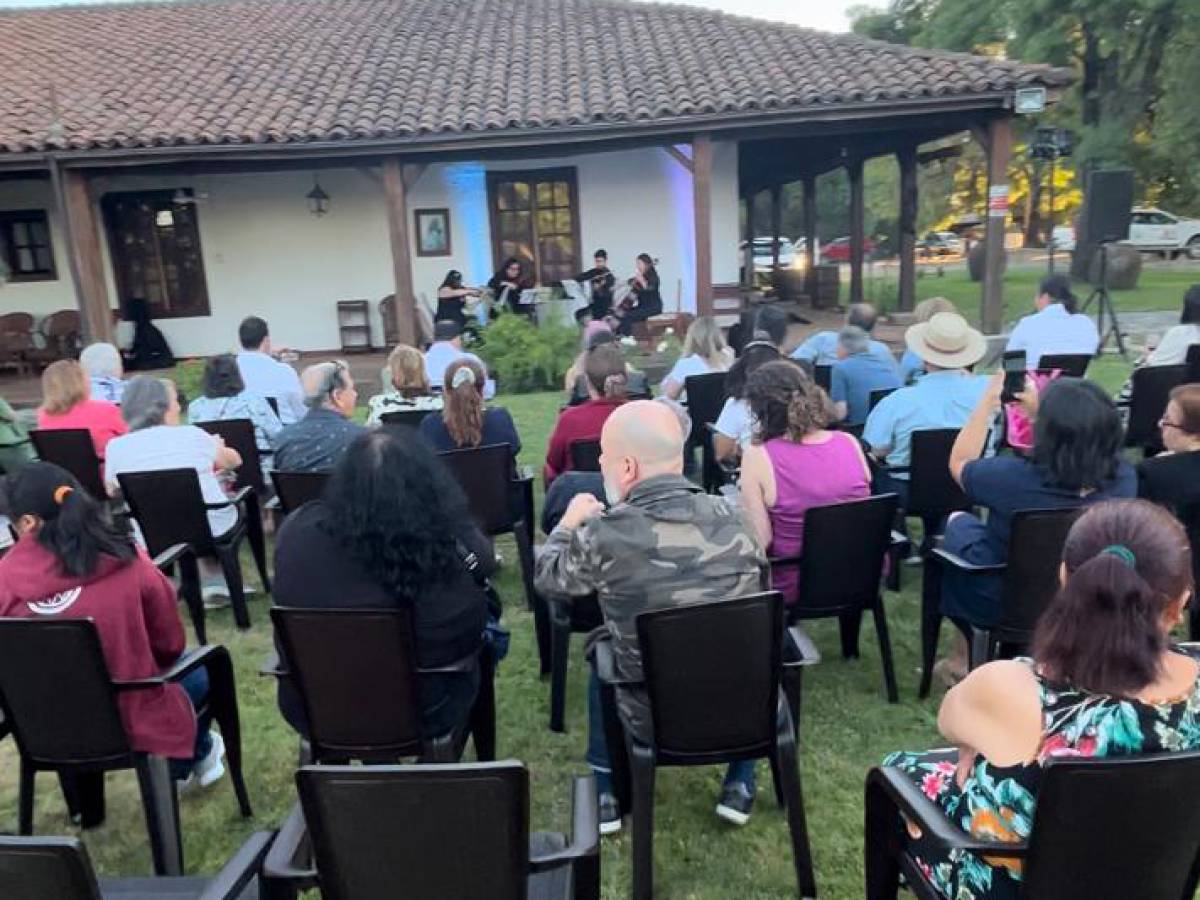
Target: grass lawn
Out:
[847,726]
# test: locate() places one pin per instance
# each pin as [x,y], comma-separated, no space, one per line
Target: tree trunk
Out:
[1033,209]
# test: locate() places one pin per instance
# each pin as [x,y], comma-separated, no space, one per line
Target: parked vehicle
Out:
[940,243]
[838,250]
[1063,238]
[1157,231]
[763,259]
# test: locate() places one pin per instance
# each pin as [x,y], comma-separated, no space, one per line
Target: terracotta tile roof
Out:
[285,71]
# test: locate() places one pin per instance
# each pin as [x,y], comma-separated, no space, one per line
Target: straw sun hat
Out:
[946,341]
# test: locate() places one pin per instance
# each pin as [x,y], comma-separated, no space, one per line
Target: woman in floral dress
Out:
[1104,680]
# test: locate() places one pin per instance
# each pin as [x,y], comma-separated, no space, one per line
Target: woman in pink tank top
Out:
[795,463]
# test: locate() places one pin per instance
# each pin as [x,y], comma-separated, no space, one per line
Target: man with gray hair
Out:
[102,365]
[857,372]
[316,443]
[820,349]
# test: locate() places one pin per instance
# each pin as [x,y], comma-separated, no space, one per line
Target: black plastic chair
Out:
[238,434]
[1029,582]
[183,557]
[713,678]
[1193,363]
[61,703]
[1148,398]
[58,868]
[875,396]
[1071,365]
[294,489]
[1102,827]
[170,510]
[431,833]
[575,615]
[585,456]
[73,450]
[705,399]
[358,680]
[932,491]
[823,376]
[407,418]
[841,571]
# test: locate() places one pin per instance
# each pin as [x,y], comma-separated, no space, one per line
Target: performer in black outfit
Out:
[507,285]
[452,297]
[603,281]
[150,349]
[644,299]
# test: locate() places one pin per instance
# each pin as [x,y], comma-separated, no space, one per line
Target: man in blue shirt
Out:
[820,349]
[858,372]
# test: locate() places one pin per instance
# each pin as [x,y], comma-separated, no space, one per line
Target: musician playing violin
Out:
[602,282]
[643,300]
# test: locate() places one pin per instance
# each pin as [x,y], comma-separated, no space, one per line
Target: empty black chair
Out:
[713,679]
[875,396]
[823,376]
[1148,401]
[61,703]
[1072,365]
[73,450]
[1193,363]
[58,868]
[239,435]
[1102,827]
[932,491]
[1030,582]
[432,833]
[170,510]
[841,570]
[294,489]
[585,456]
[705,399]
[408,418]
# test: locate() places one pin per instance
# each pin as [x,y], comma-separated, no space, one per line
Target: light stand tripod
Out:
[1105,306]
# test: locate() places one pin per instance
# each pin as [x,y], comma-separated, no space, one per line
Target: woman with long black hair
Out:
[452,297]
[507,284]
[644,299]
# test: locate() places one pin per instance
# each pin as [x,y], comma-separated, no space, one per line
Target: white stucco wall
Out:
[264,254]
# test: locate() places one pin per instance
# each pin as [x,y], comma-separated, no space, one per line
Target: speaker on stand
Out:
[1108,201]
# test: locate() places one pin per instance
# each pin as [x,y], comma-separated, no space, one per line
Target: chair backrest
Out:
[875,396]
[57,695]
[1035,545]
[418,832]
[485,473]
[585,456]
[294,489]
[408,418]
[238,434]
[705,399]
[355,670]
[1072,365]
[1193,363]
[823,376]
[46,867]
[712,675]
[1116,827]
[1148,401]
[931,488]
[842,561]
[71,448]
[17,323]
[168,507]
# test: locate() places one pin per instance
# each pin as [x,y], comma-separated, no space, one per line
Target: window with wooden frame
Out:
[154,243]
[535,217]
[25,245]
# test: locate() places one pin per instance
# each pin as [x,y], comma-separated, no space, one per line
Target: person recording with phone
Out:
[1056,327]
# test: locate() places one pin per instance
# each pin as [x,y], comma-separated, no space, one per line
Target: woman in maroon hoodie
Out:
[71,561]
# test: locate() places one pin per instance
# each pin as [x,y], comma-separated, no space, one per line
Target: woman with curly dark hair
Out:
[794,463]
[390,532]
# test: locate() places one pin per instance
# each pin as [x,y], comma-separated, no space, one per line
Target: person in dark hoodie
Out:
[150,349]
[70,561]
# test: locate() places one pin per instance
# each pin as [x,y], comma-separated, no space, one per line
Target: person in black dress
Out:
[507,285]
[150,349]
[603,281]
[452,297]
[644,300]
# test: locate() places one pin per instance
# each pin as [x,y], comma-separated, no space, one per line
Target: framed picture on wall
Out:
[433,232]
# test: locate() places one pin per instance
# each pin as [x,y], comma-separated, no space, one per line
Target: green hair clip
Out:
[1121,552]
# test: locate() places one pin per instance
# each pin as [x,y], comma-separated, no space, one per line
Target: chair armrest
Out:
[930,818]
[236,874]
[288,858]
[893,470]
[585,829]
[774,561]
[187,663]
[898,540]
[958,562]
[793,634]
[273,503]
[234,499]
[465,664]
[606,669]
[172,555]
[272,667]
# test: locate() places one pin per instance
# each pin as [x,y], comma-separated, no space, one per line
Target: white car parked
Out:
[1063,238]
[1157,231]
[763,258]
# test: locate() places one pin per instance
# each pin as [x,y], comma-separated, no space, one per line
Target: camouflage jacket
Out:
[667,544]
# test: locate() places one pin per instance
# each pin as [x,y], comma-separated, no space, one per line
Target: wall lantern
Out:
[318,200]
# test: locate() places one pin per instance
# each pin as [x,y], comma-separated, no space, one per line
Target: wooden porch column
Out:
[82,231]
[395,193]
[810,230]
[776,226]
[999,148]
[702,159]
[907,159]
[748,254]
[857,229]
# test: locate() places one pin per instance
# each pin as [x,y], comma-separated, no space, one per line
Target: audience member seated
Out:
[149,348]
[759,323]
[1172,349]
[465,421]
[663,542]
[225,397]
[388,534]
[947,347]
[607,389]
[821,349]
[157,441]
[67,403]
[72,562]
[102,365]
[1076,461]
[911,365]
[1172,479]
[1104,680]
[410,389]
[795,463]
[445,349]
[734,427]
[704,352]
[1057,326]
[316,443]
[857,373]
[16,449]
[575,381]
[266,376]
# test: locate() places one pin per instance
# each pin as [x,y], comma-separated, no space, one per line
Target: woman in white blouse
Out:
[704,351]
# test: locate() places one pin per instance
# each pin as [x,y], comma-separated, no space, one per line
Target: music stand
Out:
[1105,306]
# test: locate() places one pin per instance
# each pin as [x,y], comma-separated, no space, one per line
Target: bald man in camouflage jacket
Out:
[663,543]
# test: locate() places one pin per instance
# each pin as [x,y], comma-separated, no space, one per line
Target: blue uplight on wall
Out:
[683,203]
[466,186]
